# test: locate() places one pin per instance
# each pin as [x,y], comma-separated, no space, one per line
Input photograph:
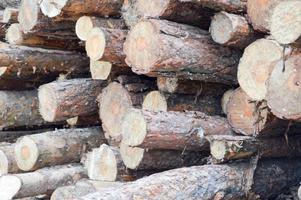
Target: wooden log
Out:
[283,90]
[166,130]
[18,85]
[77,8]
[85,24]
[12,135]
[195,55]
[19,108]
[106,44]
[225,148]
[141,159]
[231,30]
[56,147]
[286,22]
[256,65]
[90,120]
[158,101]
[29,14]
[114,102]
[43,181]
[233,181]
[82,188]
[10,3]
[225,99]
[10,15]
[8,162]
[26,63]
[45,38]
[61,100]
[260,13]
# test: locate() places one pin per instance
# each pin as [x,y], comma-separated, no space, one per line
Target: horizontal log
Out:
[195,55]
[8,162]
[56,147]
[61,100]
[166,130]
[12,135]
[233,181]
[10,3]
[78,121]
[43,181]
[19,85]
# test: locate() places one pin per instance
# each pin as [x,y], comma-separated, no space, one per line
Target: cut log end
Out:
[95,44]
[28,14]
[155,101]
[4,163]
[218,149]
[27,153]
[83,27]
[131,156]
[166,84]
[52,8]
[10,186]
[10,15]
[152,8]
[101,164]
[256,65]
[14,34]
[225,99]
[221,28]
[141,47]
[286,22]
[46,108]
[133,128]
[100,70]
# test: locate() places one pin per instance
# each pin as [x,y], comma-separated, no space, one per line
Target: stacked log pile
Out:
[138,99]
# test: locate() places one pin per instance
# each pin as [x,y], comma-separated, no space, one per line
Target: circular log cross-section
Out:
[14,34]
[284,89]
[225,99]
[256,66]
[155,101]
[286,22]
[28,14]
[100,70]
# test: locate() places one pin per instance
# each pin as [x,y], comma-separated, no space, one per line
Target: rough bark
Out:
[56,147]
[8,162]
[61,100]
[78,121]
[231,30]
[106,44]
[10,15]
[43,181]
[286,22]
[151,43]
[283,90]
[166,130]
[11,136]
[85,24]
[209,182]
[10,3]
[19,85]
[77,8]
[225,148]
[141,159]
[225,99]
[26,63]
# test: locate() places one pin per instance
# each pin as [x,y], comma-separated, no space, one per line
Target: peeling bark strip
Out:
[19,108]
[26,63]
[8,162]
[209,181]
[166,130]
[61,100]
[225,148]
[151,43]
[43,181]
[77,8]
[56,147]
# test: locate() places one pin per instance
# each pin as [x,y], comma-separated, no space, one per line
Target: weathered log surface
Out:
[56,147]
[12,135]
[151,43]
[61,100]
[43,181]
[8,162]
[166,130]
[10,3]
[27,63]
[210,182]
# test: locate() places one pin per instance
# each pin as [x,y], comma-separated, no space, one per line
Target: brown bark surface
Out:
[151,43]
[10,15]
[10,3]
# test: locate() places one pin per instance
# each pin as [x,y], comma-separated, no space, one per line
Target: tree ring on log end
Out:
[4,163]
[14,34]
[218,149]
[27,153]
[95,44]
[152,8]
[142,47]
[83,27]
[221,28]
[28,14]
[131,156]
[47,103]
[155,101]
[100,70]
[52,8]
[9,186]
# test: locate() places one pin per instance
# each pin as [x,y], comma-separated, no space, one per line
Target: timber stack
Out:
[115,99]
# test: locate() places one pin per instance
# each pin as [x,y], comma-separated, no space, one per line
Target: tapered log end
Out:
[83,27]
[27,153]
[3,70]
[284,89]
[131,156]
[155,101]
[166,84]
[218,149]
[286,22]
[47,103]
[95,44]
[9,186]
[114,104]
[133,128]
[4,163]
[225,99]
[141,47]
[152,8]
[100,70]
[101,164]
[243,114]
[28,14]
[52,8]
[256,65]
[221,28]
[14,34]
